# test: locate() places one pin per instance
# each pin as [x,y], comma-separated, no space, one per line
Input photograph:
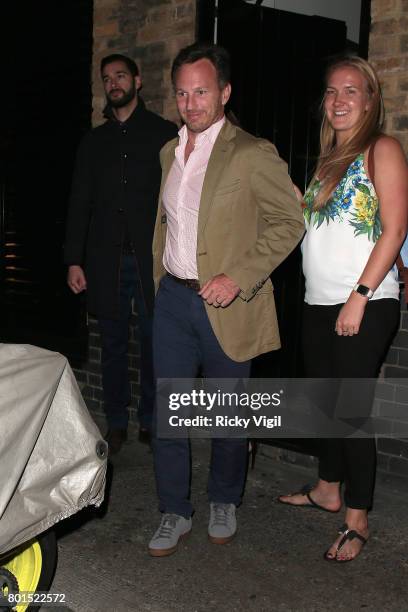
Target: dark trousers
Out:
[114,340]
[183,344]
[327,355]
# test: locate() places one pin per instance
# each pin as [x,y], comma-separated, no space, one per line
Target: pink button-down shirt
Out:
[181,198]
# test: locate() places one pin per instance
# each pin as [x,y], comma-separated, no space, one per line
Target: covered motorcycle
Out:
[52,457]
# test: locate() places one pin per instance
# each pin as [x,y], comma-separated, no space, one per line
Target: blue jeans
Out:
[183,344]
[114,340]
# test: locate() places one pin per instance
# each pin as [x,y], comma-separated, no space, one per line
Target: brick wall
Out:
[388,52]
[393,452]
[151,32]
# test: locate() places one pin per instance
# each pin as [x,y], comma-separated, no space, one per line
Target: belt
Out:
[191,283]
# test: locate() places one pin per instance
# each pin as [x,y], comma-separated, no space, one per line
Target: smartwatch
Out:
[363,290]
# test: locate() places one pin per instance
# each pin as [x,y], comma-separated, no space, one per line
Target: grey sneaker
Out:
[223,524]
[172,527]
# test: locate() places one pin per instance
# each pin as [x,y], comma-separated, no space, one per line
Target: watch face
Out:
[363,290]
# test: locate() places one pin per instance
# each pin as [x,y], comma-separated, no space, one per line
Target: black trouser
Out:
[327,355]
[114,340]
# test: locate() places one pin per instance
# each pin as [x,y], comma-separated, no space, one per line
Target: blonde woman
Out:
[355,212]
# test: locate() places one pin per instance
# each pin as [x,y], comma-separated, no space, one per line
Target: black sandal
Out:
[306,491]
[348,535]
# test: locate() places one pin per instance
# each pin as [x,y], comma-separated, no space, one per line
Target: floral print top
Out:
[340,237]
[356,189]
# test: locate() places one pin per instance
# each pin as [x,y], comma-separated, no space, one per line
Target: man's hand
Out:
[76,279]
[219,291]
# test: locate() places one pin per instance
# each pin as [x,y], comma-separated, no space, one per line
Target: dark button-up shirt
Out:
[113,203]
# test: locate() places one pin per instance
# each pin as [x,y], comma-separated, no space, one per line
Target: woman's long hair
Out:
[334,160]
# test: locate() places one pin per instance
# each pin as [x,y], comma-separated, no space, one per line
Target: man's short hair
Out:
[118,57]
[218,56]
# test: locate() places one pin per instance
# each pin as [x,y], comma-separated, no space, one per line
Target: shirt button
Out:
[120,210]
[124,131]
[125,181]
[125,155]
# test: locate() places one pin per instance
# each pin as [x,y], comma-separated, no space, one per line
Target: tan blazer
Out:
[249,221]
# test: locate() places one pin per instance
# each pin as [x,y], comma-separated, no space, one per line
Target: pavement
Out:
[275,563]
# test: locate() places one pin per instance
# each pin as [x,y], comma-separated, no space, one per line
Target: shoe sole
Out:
[165,552]
[313,506]
[225,540]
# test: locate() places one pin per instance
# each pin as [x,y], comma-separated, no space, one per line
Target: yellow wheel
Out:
[32,565]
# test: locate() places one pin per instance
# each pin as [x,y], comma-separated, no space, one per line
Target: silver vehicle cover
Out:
[52,457]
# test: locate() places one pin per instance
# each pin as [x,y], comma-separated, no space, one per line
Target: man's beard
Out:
[127,97]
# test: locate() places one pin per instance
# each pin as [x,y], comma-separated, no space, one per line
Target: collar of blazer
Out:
[220,155]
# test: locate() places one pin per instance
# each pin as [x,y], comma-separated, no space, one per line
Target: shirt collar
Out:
[210,134]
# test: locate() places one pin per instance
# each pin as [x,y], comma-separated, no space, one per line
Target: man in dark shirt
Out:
[109,235]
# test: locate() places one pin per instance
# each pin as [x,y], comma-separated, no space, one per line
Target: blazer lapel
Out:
[219,158]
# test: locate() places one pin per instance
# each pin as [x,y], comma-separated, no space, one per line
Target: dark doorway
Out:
[49,59]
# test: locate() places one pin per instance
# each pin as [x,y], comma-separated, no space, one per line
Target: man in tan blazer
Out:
[227,217]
